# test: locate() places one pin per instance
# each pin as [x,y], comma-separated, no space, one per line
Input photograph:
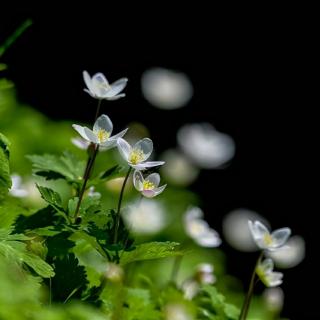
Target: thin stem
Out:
[247,300]
[50,291]
[115,239]
[176,268]
[86,178]
[98,110]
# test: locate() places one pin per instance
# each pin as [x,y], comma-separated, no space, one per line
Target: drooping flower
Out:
[199,230]
[98,86]
[138,154]
[265,272]
[149,187]
[101,133]
[266,240]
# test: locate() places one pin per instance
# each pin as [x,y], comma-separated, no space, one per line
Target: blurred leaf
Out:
[54,167]
[105,175]
[150,251]
[51,197]
[5,179]
[17,252]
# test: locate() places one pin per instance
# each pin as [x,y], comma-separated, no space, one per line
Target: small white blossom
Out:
[199,230]
[149,187]
[266,240]
[177,311]
[138,154]
[101,133]
[98,86]
[265,272]
[17,188]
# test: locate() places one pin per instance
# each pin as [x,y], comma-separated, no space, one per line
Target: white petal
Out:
[193,213]
[87,80]
[159,190]
[150,164]
[280,237]
[119,135]
[210,239]
[146,146]
[100,85]
[196,228]
[154,178]
[80,143]
[117,87]
[90,134]
[81,131]
[138,180]
[103,123]
[108,145]
[115,97]
[258,230]
[92,94]
[100,78]
[267,266]
[124,148]
[274,279]
[149,193]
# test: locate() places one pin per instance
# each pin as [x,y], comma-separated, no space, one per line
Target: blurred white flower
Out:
[18,189]
[114,273]
[177,311]
[138,154]
[145,217]
[265,272]
[166,89]
[273,298]
[203,275]
[236,230]
[101,133]
[289,255]
[149,187]
[266,240]
[98,86]
[178,169]
[205,146]
[199,230]
[93,194]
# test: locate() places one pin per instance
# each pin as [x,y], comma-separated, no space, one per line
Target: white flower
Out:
[166,89]
[289,255]
[145,217]
[177,311]
[199,230]
[236,229]
[93,194]
[266,240]
[273,298]
[265,272]
[101,133]
[17,188]
[138,154]
[205,146]
[149,186]
[99,87]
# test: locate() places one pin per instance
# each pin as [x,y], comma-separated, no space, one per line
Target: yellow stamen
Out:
[147,185]
[136,156]
[267,239]
[102,135]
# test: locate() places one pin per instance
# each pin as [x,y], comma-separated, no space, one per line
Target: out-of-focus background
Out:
[223,95]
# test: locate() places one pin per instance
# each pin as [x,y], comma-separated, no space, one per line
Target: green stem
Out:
[247,300]
[86,178]
[98,110]
[115,239]
[176,268]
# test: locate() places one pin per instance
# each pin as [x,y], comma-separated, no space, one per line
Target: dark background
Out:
[252,71]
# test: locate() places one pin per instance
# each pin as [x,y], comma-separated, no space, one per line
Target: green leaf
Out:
[105,175]
[17,252]
[54,167]
[5,179]
[51,197]
[150,251]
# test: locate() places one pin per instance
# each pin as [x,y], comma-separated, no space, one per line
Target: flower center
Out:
[267,239]
[102,135]
[136,156]
[147,185]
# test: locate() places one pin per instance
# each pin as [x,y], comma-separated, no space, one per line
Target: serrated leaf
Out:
[17,252]
[5,179]
[51,197]
[150,251]
[53,167]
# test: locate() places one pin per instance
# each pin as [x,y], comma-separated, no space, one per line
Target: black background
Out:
[252,71]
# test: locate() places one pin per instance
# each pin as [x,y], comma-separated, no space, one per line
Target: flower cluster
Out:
[267,241]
